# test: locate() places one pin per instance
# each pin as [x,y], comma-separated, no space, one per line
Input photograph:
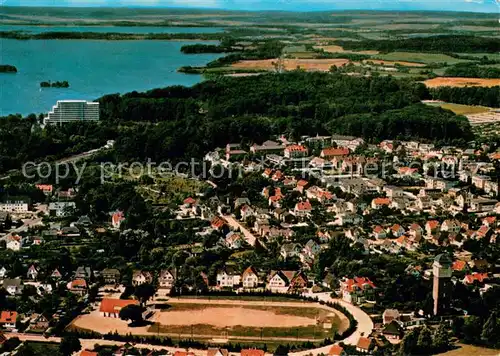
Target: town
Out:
[397,239]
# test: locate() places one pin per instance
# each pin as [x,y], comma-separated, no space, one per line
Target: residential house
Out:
[389,315]
[246,211]
[166,279]
[111,307]
[56,274]
[116,219]
[357,290]
[393,331]
[432,227]
[141,277]
[364,344]
[451,226]
[416,232]
[47,189]
[13,286]
[14,243]
[302,185]
[378,203]
[219,224]
[268,147]
[286,281]
[250,279]
[39,322]
[234,240]
[290,250]
[228,277]
[379,232]
[8,319]
[83,272]
[111,275]
[295,151]
[61,209]
[303,208]
[311,249]
[78,286]
[337,350]
[252,352]
[475,278]
[32,272]
[397,230]
[3,272]
[331,152]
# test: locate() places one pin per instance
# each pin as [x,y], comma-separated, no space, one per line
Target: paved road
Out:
[251,239]
[364,328]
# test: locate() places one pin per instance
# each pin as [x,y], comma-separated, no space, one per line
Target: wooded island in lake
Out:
[49,84]
[6,68]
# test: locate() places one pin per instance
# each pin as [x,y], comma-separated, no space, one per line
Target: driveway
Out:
[235,224]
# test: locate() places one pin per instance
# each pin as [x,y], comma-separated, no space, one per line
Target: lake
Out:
[92,68]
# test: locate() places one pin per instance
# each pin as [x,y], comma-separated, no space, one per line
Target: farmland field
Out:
[393,63]
[461,82]
[464,109]
[420,57]
[291,64]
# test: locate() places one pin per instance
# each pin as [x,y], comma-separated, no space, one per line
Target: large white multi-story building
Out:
[72,111]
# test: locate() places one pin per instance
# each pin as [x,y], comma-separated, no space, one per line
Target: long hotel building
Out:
[72,111]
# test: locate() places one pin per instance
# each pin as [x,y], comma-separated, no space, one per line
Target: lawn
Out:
[420,57]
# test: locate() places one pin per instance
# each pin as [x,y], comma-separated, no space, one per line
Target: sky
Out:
[491,6]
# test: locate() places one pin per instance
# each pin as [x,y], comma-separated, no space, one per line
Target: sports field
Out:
[229,319]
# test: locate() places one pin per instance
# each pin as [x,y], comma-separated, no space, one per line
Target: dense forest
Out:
[204,48]
[108,36]
[471,70]
[185,122]
[440,44]
[6,68]
[468,95]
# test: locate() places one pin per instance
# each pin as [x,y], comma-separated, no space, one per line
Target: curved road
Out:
[365,326]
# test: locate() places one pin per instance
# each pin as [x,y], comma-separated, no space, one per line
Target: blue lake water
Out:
[92,68]
[118,29]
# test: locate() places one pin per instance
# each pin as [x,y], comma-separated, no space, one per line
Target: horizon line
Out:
[83,6]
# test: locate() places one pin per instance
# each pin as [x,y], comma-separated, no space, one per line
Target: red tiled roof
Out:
[364,343]
[79,283]
[45,187]
[382,201]
[109,305]
[396,227]
[458,265]
[7,316]
[189,201]
[335,350]
[303,205]
[359,282]
[302,183]
[433,224]
[252,352]
[490,219]
[88,353]
[117,217]
[480,277]
[218,222]
[296,148]
[2,338]
[332,152]
[378,229]
[415,227]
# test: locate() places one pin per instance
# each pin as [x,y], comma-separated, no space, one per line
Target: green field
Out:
[426,58]
[462,109]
